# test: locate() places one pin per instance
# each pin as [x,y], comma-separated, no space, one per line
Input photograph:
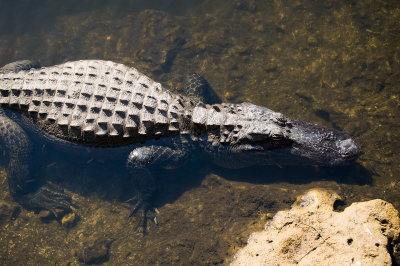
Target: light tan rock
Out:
[312,233]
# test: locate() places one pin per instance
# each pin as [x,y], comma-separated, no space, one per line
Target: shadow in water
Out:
[174,183]
[109,181]
[351,174]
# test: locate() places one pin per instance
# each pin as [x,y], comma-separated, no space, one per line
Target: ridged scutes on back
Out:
[89,100]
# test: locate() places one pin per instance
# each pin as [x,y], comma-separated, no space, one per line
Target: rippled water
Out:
[334,63]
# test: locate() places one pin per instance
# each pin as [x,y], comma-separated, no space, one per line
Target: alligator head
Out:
[267,137]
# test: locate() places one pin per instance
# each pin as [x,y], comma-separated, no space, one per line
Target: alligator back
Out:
[96,102]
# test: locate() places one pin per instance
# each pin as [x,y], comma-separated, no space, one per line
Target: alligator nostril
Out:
[348,148]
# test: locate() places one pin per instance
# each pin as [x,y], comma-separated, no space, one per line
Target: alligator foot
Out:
[48,197]
[145,210]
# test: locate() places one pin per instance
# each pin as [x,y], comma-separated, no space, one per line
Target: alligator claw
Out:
[145,210]
[137,203]
[146,213]
[48,197]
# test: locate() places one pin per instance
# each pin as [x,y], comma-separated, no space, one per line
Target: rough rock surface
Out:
[94,251]
[313,233]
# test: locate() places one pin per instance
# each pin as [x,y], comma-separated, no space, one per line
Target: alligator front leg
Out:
[19,173]
[141,163]
[198,88]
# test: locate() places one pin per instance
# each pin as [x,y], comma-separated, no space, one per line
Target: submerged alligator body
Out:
[93,103]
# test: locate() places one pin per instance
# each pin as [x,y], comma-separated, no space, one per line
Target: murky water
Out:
[334,63]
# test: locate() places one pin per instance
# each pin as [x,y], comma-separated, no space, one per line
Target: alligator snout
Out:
[348,148]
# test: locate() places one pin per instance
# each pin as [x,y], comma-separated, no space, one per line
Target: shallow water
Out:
[334,63]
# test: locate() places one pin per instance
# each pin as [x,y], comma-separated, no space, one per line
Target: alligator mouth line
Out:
[351,156]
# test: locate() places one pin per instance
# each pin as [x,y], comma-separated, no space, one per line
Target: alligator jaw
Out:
[260,136]
[322,145]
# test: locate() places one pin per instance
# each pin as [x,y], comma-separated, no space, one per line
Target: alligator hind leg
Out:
[199,89]
[18,148]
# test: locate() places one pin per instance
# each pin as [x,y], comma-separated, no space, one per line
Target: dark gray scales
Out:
[197,87]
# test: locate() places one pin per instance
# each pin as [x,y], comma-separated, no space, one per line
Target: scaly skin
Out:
[95,102]
[102,103]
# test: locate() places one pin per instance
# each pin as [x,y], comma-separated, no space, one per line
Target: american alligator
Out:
[83,105]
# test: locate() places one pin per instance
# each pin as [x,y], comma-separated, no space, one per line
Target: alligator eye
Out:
[280,119]
[277,137]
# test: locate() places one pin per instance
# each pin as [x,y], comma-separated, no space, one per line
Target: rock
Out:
[313,233]
[8,211]
[69,220]
[94,251]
